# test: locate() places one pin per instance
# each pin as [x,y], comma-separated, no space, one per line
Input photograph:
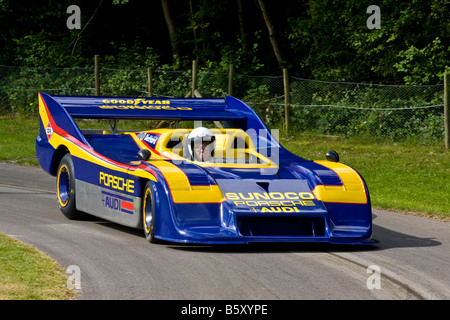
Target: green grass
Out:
[17,140]
[28,274]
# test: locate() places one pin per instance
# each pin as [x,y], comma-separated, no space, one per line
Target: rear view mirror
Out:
[332,156]
[144,154]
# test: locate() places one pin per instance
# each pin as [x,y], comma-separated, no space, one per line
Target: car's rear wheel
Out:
[148,213]
[65,188]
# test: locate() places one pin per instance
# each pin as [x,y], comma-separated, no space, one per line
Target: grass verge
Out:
[29,274]
[17,140]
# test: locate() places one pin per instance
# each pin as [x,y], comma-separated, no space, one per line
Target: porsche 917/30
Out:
[232,183]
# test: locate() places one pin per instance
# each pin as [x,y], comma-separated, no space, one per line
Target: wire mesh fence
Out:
[387,112]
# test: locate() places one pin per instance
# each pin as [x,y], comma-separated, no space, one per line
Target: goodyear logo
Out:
[143,104]
[116,183]
[271,201]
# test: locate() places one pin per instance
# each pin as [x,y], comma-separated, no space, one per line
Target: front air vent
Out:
[281,226]
[264,185]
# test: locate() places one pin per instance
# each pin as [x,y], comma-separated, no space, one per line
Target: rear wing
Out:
[60,111]
[147,108]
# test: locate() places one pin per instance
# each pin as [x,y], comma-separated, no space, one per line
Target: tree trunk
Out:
[313,19]
[273,40]
[171,28]
[194,31]
[241,27]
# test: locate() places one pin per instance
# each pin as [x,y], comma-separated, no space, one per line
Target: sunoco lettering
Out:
[284,203]
[117,183]
[270,196]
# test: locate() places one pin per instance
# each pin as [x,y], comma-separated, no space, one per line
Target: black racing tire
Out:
[65,188]
[148,213]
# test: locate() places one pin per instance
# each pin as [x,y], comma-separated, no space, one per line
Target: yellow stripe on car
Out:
[352,190]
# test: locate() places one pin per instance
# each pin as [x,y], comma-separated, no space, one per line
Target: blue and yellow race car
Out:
[216,174]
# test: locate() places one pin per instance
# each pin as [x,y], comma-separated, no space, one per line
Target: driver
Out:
[201,143]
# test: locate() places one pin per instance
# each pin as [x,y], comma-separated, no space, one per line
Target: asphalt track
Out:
[412,260]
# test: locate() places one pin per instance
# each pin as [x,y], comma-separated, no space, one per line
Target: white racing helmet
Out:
[197,138]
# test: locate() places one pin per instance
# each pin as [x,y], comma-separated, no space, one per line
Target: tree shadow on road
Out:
[385,239]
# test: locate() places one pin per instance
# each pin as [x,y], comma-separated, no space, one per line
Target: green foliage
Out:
[20,86]
[40,50]
[426,65]
[320,39]
[172,83]
[131,57]
[414,38]
[247,60]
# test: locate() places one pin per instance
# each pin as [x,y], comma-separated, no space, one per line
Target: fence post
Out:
[230,79]
[150,81]
[287,99]
[97,75]
[447,109]
[194,93]
[194,77]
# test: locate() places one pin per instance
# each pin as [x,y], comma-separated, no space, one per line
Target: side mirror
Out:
[144,154]
[332,156]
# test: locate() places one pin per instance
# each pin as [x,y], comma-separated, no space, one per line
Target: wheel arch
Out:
[165,224]
[60,152]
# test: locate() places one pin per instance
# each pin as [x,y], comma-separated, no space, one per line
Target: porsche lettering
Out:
[274,203]
[271,204]
[117,183]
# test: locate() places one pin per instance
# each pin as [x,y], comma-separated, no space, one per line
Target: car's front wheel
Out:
[148,213]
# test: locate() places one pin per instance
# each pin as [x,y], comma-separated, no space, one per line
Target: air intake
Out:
[281,226]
